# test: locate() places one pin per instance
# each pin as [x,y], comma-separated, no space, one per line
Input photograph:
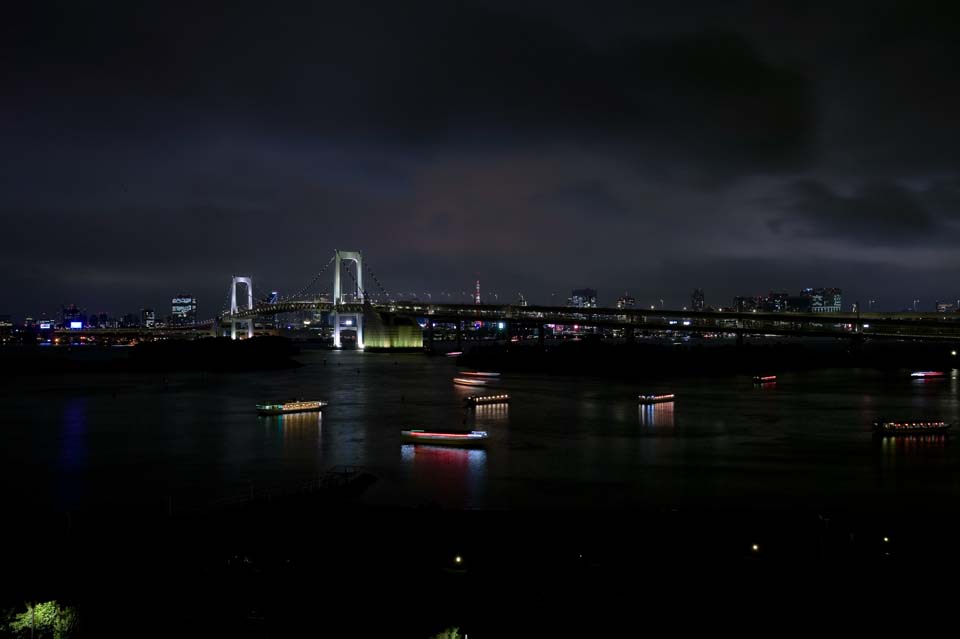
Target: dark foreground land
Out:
[321,566]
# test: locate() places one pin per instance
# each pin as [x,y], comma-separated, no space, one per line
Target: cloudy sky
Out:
[150,148]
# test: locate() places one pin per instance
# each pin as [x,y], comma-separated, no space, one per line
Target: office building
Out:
[71,317]
[625,301]
[583,298]
[184,309]
[697,300]
[823,300]
[148,318]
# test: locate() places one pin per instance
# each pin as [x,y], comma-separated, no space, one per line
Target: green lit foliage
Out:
[449,633]
[47,620]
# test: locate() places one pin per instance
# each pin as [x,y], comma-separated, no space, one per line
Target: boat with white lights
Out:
[482,400]
[289,406]
[927,374]
[467,381]
[764,379]
[893,427]
[471,439]
[480,374]
[656,399]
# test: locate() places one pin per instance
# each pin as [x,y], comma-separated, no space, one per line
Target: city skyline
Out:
[546,150]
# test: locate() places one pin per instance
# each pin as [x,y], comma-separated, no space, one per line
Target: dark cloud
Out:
[877,213]
[441,74]
[149,147]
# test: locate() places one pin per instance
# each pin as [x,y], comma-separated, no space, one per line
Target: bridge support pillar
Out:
[630,334]
[740,339]
[356,320]
[459,335]
[247,323]
[541,335]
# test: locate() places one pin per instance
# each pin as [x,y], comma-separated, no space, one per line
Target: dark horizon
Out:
[150,150]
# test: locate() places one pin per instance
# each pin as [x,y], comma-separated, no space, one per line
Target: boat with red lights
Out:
[927,374]
[289,406]
[764,379]
[656,399]
[470,439]
[467,381]
[482,400]
[480,374]
[892,427]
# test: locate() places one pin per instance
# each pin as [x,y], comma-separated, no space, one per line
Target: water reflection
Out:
[658,415]
[452,476]
[491,412]
[73,438]
[295,428]
[912,448]
[73,454]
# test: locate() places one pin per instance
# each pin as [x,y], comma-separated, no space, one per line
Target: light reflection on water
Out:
[562,437]
[295,428]
[657,415]
[453,476]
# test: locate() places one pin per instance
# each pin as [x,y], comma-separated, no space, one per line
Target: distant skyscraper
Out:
[697,300]
[148,318]
[823,300]
[184,309]
[945,307]
[71,314]
[583,298]
[625,301]
[744,304]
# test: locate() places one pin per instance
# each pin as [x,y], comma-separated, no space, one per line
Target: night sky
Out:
[150,148]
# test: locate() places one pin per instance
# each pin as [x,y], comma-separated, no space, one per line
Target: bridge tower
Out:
[248,323]
[338,314]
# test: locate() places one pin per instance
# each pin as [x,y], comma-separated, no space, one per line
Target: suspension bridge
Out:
[351,307]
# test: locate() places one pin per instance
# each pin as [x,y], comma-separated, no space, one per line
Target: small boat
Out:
[480,374]
[479,400]
[656,399]
[454,353]
[466,381]
[927,374]
[463,440]
[289,406]
[764,379]
[891,427]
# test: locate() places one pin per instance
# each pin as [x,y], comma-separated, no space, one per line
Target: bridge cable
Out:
[383,290]
[316,277]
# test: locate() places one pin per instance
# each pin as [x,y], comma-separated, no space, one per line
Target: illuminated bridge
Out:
[357,309]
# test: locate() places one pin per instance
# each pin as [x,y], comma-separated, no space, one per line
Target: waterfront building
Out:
[184,309]
[697,300]
[148,318]
[626,301]
[583,298]
[823,300]
[70,315]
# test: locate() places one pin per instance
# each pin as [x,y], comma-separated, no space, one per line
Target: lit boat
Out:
[889,427]
[478,400]
[480,374]
[454,353]
[928,374]
[465,381]
[463,440]
[656,399]
[764,379]
[291,406]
